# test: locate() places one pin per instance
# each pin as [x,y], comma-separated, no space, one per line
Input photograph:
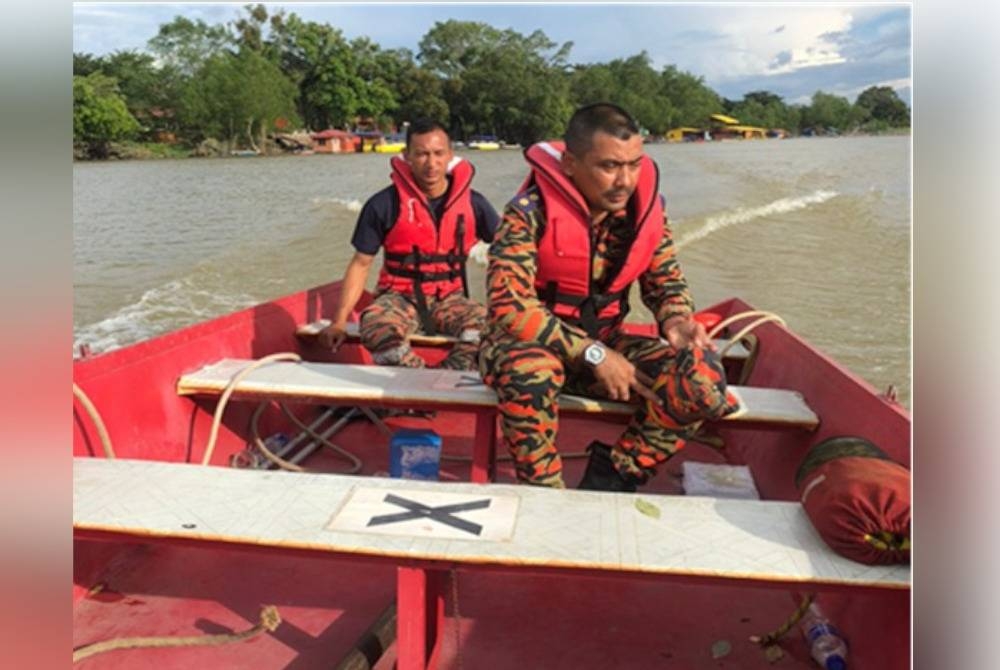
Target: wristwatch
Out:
[595,354]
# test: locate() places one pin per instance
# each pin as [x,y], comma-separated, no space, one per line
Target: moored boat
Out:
[502,618]
[392,144]
[484,143]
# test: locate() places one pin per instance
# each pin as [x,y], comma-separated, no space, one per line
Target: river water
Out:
[814,229]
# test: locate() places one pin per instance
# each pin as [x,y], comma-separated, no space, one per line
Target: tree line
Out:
[239,82]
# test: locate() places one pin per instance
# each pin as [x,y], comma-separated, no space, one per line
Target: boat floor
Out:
[505,620]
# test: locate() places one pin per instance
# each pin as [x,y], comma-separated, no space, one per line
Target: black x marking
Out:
[442,514]
[468,380]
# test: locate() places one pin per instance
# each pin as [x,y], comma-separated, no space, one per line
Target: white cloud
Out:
[808,39]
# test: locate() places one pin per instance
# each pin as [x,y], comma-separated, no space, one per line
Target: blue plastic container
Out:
[414,454]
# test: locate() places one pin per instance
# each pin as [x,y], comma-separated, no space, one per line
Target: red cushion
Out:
[861,507]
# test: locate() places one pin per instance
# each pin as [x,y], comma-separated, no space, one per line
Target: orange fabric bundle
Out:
[858,499]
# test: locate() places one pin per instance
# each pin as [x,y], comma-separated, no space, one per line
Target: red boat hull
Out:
[514,620]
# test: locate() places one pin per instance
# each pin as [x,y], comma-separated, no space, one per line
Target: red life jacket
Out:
[422,258]
[565,257]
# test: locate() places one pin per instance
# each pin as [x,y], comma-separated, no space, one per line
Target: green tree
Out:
[249,28]
[764,109]
[882,106]
[691,100]
[828,111]
[592,83]
[239,95]
[631,83]
[151,91]
[417,91]
[100,115]
[376,97]
[319,60]
[84,64]
[640,91]
[499,82]
[186,45]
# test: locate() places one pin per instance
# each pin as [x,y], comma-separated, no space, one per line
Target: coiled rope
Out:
[95,416]
[356,464]
[765,317]
[228,391]
[779,632]
[269,620]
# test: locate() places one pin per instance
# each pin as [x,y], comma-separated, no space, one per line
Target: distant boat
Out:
[244,152]
[484,142]
[392,144]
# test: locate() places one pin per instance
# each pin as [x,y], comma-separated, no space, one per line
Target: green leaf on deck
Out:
[721,648]
[647,508]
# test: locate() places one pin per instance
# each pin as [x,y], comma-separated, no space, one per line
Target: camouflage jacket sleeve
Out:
[663,286]
[514,306]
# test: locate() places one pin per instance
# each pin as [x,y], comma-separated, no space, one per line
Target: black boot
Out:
[601,474]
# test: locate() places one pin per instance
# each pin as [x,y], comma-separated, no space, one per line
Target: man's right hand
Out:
[619,377]
[332,336]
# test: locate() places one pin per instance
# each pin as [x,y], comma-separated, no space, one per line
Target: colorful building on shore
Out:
[334,141]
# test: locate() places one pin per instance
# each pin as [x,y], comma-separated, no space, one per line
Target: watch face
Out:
[594,354]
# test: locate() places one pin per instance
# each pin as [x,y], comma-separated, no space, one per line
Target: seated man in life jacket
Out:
[588,222]
[427,220]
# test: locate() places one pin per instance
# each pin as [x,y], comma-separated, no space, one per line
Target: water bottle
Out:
[825,642]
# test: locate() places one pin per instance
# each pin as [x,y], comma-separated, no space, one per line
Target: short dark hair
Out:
[423,126]
[600,116]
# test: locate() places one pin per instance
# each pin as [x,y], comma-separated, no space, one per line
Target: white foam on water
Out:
[350,204]
[176,304]
[747,214]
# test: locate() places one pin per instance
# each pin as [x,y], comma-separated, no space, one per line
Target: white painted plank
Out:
[706,537]
[427,387]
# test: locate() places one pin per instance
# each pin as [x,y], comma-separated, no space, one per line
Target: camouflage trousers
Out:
[528,379]
[392,318]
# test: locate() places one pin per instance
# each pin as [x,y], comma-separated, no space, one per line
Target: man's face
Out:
[428,156]
[607,174]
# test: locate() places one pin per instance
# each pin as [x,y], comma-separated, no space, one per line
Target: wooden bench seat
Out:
[430,388]
[435,389]
[310,330]
[502,527]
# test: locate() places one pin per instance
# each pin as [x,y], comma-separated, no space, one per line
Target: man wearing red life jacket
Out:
[427,221]
[588,222]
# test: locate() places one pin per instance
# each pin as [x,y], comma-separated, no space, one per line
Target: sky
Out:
[790,49]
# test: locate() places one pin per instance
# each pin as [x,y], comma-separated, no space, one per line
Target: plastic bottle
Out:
[827,646]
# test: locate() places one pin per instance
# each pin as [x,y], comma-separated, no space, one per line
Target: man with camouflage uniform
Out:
[427,221]
[588,222]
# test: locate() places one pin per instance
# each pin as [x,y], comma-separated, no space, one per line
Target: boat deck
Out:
[493,621]
[161,589]
[583,619]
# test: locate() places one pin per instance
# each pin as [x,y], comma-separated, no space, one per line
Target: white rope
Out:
[230,387]
[95,416]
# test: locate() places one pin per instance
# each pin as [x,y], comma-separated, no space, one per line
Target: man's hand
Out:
[683,332]
[619,377]
[332,336]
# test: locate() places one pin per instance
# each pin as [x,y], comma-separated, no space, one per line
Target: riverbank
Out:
[213,149]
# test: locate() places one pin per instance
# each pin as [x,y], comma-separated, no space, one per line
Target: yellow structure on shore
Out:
[685,134]
[721,127]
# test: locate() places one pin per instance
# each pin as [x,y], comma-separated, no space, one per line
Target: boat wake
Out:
[747,214]
[351,205]
[178,303]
